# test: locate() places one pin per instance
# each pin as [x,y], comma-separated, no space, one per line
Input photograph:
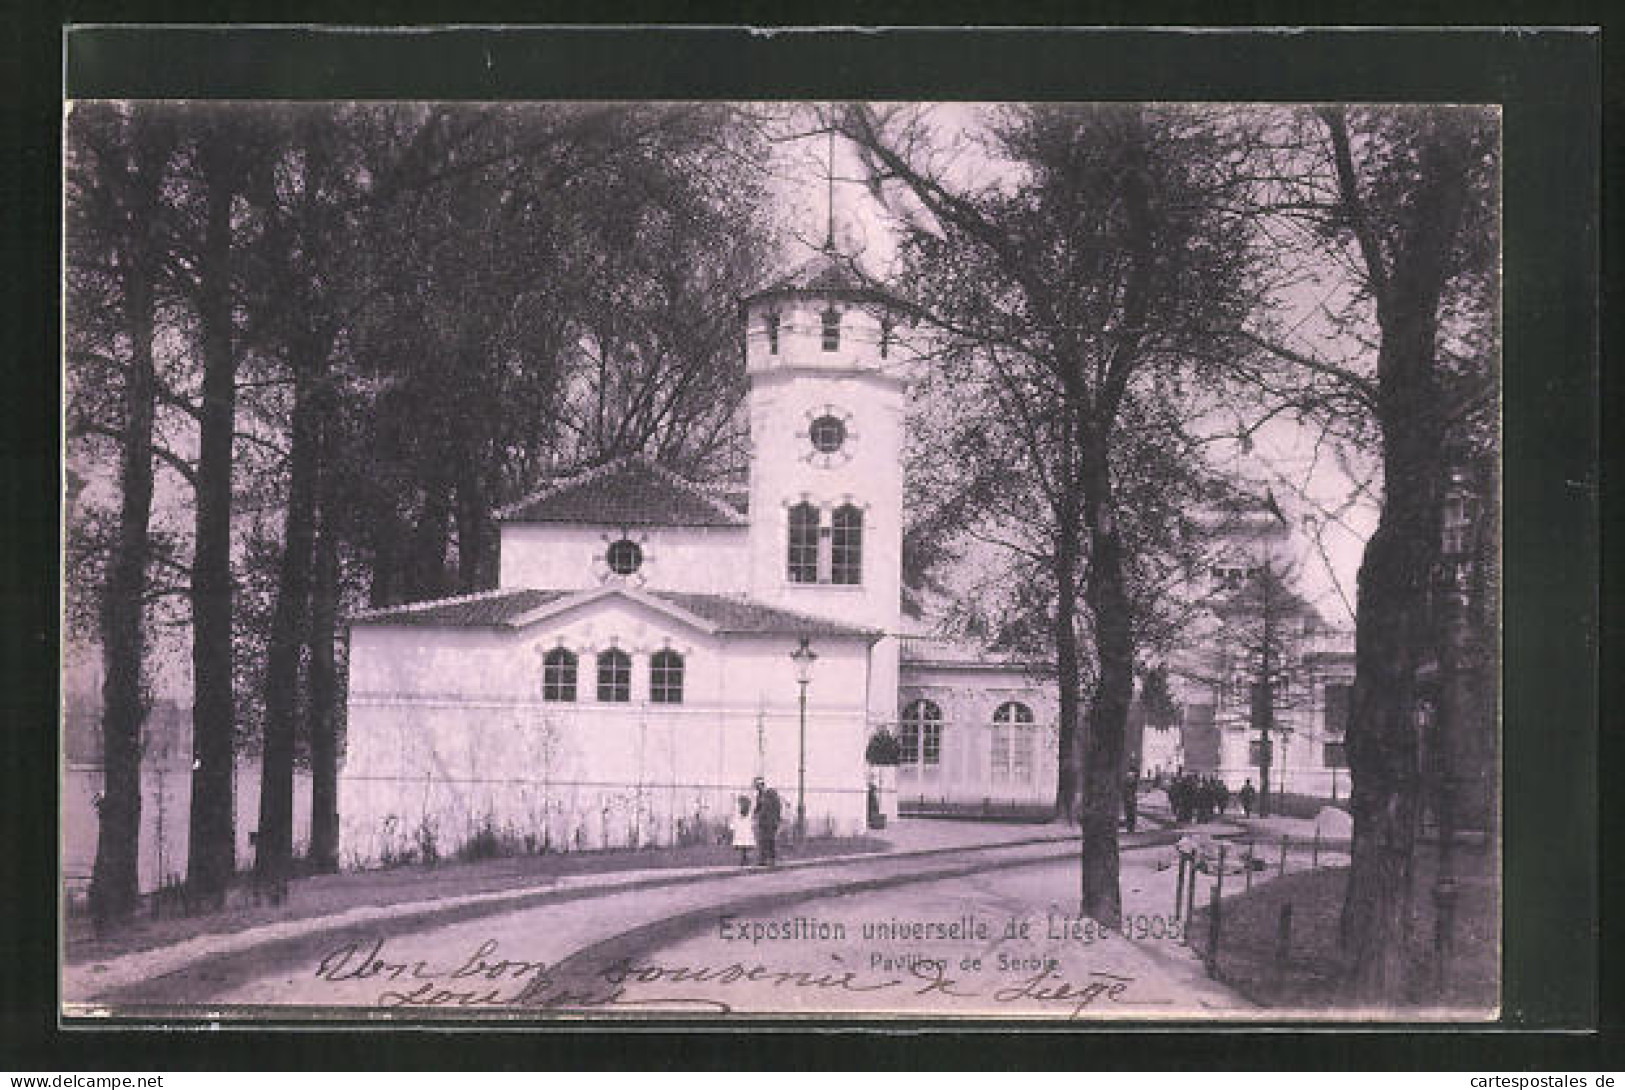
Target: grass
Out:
[1309,980]
[326,894]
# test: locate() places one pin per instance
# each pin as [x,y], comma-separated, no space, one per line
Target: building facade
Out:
[654,644]
[1253,623]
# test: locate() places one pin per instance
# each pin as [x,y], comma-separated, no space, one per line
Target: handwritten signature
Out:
[486,979]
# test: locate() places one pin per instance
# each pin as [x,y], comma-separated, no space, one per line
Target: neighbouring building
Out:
[1251,601]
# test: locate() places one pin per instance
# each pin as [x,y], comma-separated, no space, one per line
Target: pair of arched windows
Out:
[559,669]
[818,554]
[920,738]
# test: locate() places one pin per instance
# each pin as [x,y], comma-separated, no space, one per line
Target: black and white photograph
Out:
[636,560]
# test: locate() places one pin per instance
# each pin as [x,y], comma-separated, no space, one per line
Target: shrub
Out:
[883,748]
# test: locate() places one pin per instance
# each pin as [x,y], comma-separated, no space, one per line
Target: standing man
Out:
[768,811]
[1247,795]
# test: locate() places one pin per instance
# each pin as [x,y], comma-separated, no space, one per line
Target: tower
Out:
[826,407]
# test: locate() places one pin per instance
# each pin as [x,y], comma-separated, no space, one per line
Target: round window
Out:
[625,557]
[828,433]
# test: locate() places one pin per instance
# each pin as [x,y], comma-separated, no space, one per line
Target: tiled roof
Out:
[627,492]
[718,613]
[730,614]
[491,609]
[829,273]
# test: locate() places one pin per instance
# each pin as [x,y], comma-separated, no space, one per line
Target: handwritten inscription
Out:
[487,979]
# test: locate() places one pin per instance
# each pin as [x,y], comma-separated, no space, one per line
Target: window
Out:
[558,675]
[1012,757]
[832,329]
[827,433]
[803,559]
[773,333]
[666,678]
[614,677]
[921,733]
[885,335]
[1257,751]
[1333,755]
[1338,697]
[846,546]
[625,556]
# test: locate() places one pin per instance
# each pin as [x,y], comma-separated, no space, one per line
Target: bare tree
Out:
[1084,279]
[118,163]
[1403,202]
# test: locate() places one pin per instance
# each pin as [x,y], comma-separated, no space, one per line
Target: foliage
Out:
[883,749]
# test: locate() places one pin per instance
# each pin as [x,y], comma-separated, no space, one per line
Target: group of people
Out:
[755,825]
[1200,798]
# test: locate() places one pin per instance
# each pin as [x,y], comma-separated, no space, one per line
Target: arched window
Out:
[1012,756]
[614,677]
[886,327]
[832,329]
[666,678]
[846,546]
[558,675]
[921,735]
[803,554]
[773,333]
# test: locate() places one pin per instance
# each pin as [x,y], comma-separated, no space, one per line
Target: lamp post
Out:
[803,657]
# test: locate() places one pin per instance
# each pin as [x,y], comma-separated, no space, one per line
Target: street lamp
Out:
[804,657]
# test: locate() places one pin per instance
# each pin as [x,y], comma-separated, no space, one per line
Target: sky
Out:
[1333,509]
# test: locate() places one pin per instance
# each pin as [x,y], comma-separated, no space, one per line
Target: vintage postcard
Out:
[737,559]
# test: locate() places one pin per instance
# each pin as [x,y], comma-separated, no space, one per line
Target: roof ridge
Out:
[434,603]
[700,492]
[556,485]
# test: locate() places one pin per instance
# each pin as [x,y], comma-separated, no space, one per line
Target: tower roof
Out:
[828,272]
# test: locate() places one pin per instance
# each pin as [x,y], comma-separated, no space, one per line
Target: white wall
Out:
[551,556]
[447,727]
[968,698]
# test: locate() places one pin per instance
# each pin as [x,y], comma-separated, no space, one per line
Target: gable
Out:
[628,492]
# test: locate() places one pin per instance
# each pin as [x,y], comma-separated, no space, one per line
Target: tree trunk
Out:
[1068,663]
[1391,636]
[212,840]
[290,616]
[1102,743]
[324,682]
[473,530]
[115,879]
[427,564]
[1392,626]
[384,588]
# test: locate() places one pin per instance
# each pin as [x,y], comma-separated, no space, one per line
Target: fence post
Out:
[1281,870]
[1283,936]
[1218,881]
[1249,878]
[1314,856]
[1213,934]
[1190,889]
[1179,886]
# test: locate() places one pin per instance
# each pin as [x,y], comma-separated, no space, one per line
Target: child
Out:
[744,831]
